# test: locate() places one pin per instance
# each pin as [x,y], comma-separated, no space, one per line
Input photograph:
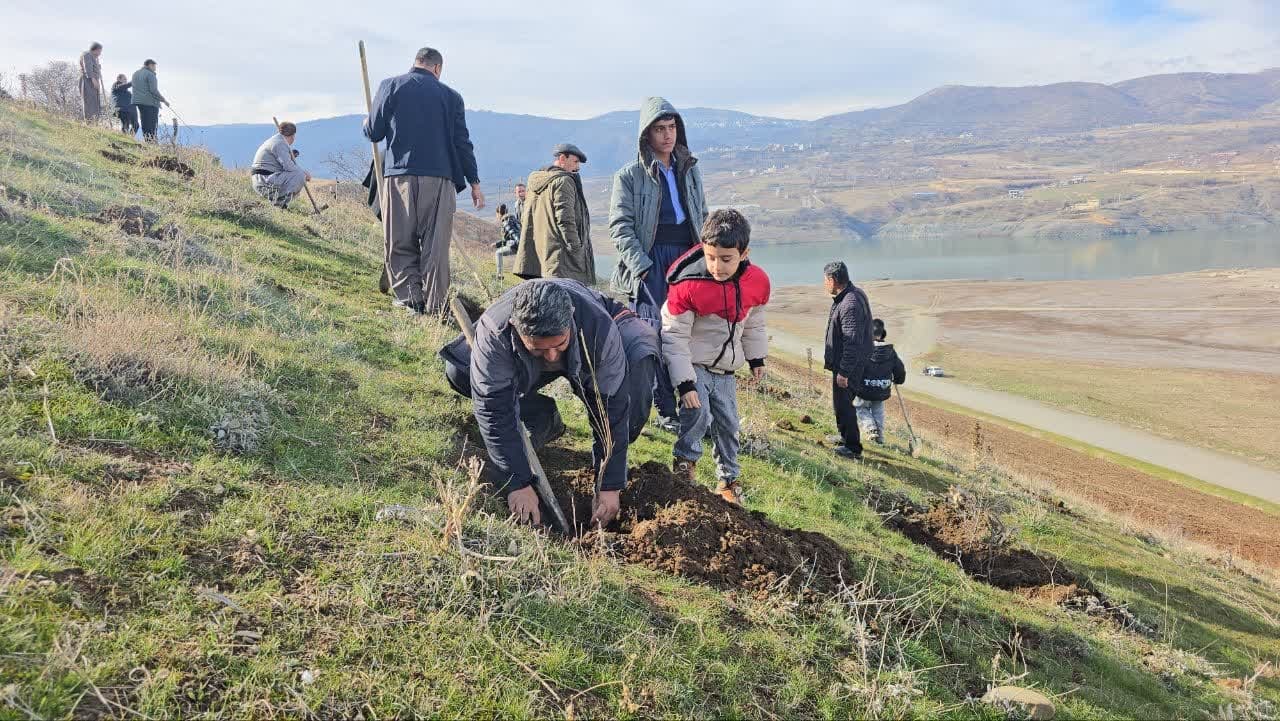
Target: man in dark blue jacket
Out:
[539,331]
[428,160]
[848,346]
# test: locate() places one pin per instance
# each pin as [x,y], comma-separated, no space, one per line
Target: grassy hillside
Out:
[208,416]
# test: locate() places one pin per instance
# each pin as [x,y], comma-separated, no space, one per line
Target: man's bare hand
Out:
[842,381]
[691,400]
[758,373]
[605,507]
[524,506]
[306,175]
[477,197]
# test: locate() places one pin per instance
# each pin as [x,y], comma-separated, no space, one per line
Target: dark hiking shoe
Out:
[684,469]
[668,423]
[553,432]
[844,452]
[413,307]
[730,491]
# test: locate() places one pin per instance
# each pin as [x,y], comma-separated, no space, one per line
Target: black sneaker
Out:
[845,452]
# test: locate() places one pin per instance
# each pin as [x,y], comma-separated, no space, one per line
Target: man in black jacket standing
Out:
[848,346]
[429,159]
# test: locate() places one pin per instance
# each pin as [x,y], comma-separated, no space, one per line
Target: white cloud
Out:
[243,62]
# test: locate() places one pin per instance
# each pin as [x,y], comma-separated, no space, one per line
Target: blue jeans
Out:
[648,305]
[719,397]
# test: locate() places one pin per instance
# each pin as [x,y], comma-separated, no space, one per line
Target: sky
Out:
[236,61]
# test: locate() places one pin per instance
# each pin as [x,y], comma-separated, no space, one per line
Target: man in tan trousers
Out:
[428,160]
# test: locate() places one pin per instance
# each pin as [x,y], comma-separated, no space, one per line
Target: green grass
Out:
[145,568]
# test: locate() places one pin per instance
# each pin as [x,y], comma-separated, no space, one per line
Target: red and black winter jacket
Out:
[718,325]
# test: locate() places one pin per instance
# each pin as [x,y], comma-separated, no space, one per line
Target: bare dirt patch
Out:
[1154,502]
[118,157]
[974,539]
[676,527]
[132,219]
[171,164]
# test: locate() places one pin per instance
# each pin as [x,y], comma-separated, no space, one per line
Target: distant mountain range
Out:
[509,145]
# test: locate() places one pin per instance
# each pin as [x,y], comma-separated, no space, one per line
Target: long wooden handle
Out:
[368,105]
[541,485]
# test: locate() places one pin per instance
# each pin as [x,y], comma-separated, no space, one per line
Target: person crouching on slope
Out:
[713,322]
[883,370]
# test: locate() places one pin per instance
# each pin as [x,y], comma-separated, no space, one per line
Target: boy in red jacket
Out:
[712,323]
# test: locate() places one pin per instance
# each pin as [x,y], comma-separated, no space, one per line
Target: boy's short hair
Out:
[877,330]
[727,228]
[288,129]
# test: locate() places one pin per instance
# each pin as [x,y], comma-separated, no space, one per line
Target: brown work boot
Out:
[730,491]
[684,468]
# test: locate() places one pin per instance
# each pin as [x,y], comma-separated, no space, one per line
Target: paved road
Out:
[1216,468]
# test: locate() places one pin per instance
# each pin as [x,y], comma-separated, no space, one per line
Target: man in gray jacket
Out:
[147,97]
[655,213]
[539,331]
[276,176]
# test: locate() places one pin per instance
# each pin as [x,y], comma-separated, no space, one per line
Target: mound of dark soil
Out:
[972,539]
[132,219]
[117,157]
[171,164]
[674,526]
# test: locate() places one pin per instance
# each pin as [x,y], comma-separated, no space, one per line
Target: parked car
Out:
[935,371]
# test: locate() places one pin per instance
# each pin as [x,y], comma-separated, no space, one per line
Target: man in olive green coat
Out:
[555,232]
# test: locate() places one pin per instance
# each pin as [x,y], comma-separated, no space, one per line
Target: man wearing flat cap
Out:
[555,232]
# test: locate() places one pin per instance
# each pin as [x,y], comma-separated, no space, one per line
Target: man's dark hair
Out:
[542,309]
[288,129]
[727,228]
[519,185]
[148,63]
[428,57]
[95,46]
[836,270]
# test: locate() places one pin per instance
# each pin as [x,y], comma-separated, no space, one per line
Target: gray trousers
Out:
[718,395]
[417,223]
[92,100]
[280,188]
[870,417]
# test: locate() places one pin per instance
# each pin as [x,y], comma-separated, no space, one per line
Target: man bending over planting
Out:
[539,331]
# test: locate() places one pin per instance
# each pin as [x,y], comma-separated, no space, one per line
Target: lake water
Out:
[973,258]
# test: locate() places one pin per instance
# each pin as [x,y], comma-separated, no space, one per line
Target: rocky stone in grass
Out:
[1034,704]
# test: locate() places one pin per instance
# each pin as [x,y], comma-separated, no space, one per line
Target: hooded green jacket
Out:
[555,232]
[637,196]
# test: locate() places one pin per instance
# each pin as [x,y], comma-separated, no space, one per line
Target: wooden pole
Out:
[304,183]
[541,485]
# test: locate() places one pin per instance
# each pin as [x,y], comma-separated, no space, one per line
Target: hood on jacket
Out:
[540,179]
[693,266]
[653,109]
[882,352]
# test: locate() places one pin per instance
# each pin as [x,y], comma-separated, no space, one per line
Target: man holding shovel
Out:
[539,331]
[429,159]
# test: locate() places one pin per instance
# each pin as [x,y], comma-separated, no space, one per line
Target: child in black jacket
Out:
[883,370]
